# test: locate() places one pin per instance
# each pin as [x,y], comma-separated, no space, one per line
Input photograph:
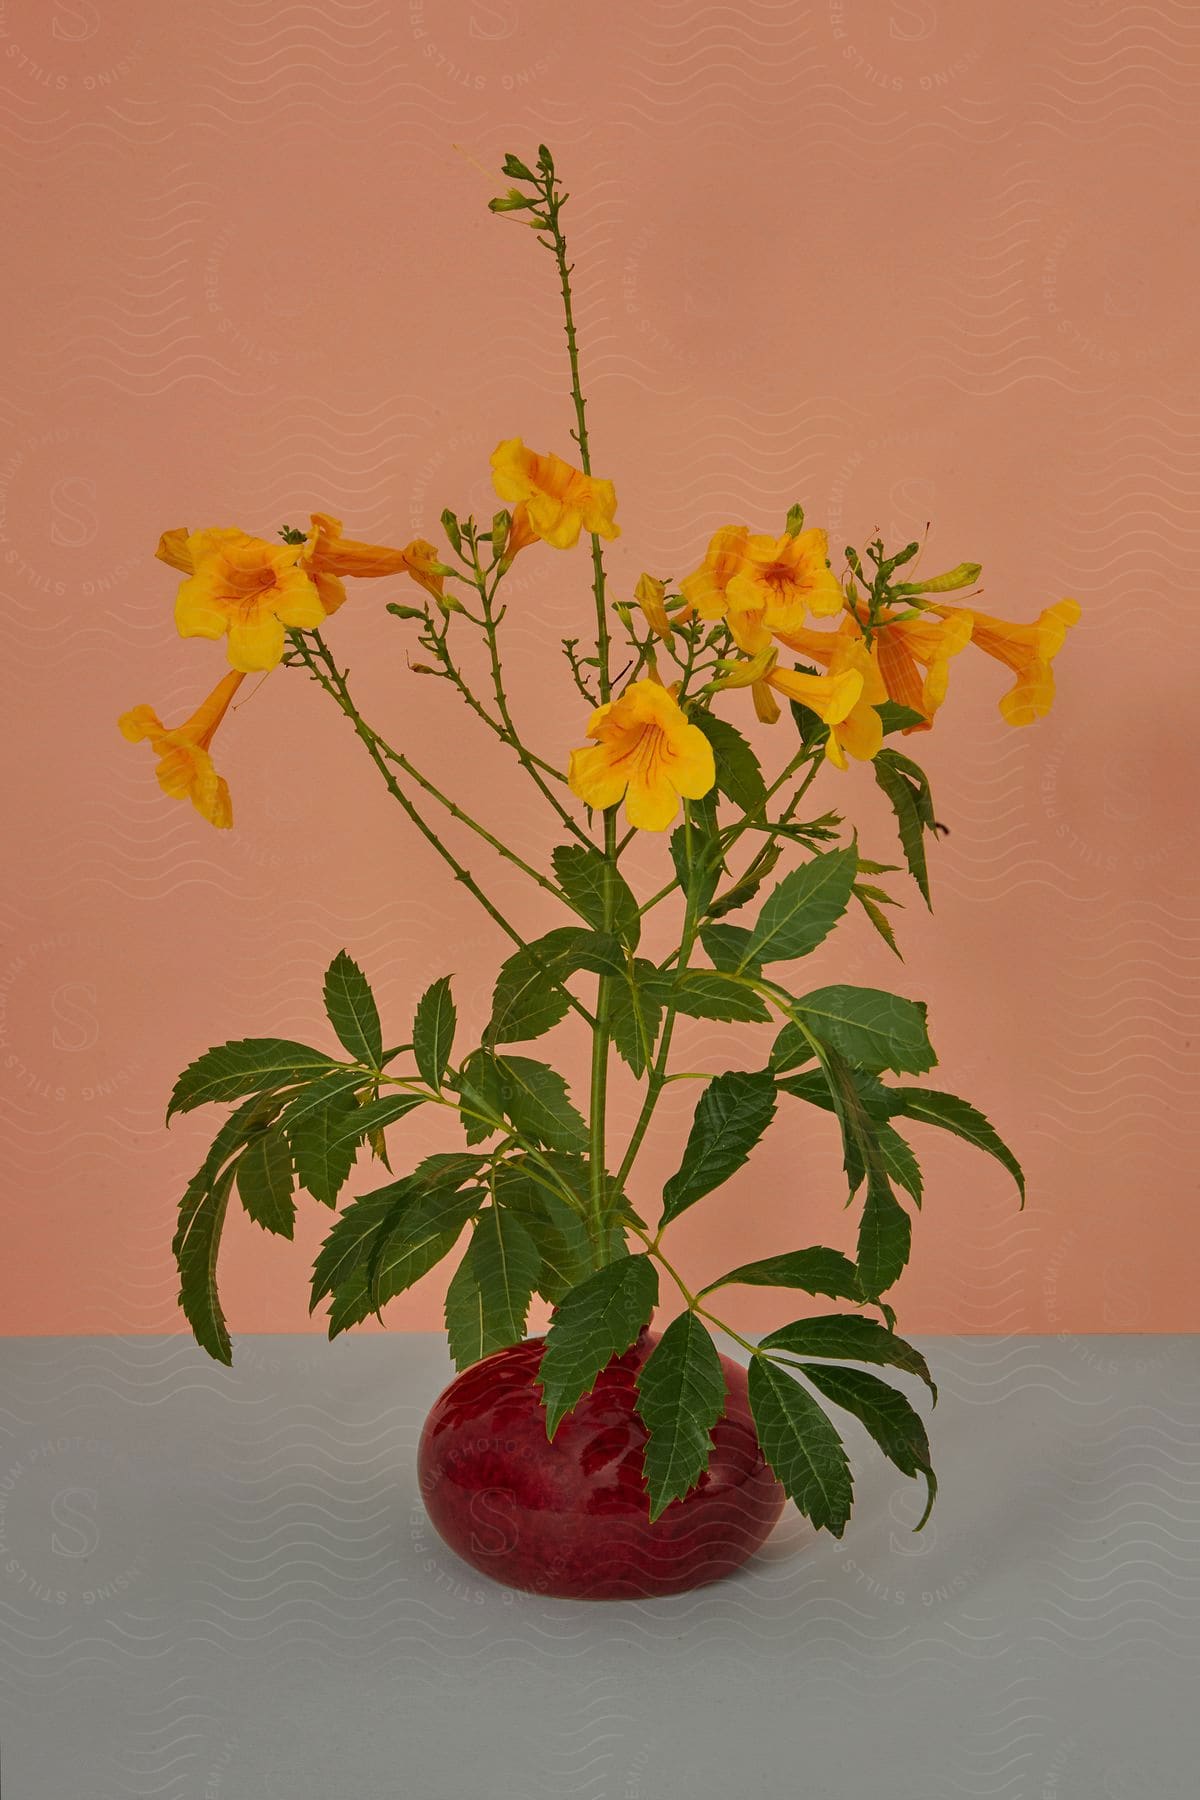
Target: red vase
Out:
[571,1518]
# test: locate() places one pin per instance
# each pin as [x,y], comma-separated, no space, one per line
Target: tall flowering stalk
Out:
[763,627]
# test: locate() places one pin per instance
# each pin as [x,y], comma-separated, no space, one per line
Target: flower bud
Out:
[404,612]
[744,671]
[965,575]
[500,524]
[515,169]
[450,527]
[795,520]
[650,594]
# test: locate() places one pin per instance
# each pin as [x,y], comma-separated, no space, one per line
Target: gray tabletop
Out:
[220,1585]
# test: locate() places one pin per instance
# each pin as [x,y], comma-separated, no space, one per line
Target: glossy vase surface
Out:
[571,1518]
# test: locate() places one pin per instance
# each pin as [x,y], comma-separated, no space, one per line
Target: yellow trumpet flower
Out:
[185,768]
[328,556]
[838,699]
[646,753]
[1028,650]
[909,657]
[559,501]
[764,586]
[244,588]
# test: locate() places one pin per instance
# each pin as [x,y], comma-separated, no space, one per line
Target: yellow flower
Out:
[764,586]
[185,768]
[1028,650]
[559,501]
[839,699]
[328,556]
[645,751]
[649,594]
[244,587]
[900,649]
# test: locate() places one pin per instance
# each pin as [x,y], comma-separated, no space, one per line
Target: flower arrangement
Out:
[840,663]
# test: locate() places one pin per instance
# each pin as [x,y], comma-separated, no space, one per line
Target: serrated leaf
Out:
[201,1216]
[709,994]
[479,1091]
[907,804]
[352,1011]
[884,1238]
[581,875]
[596,1321]
[325,1142]
[635,1007]
[534,1098]
[433,1031]
[791,1049]
[558,1231]
[747,884]
[424,1232]
[887,1415]
[802,909]
[246,1066]
[896,717]
[696,853]
[350,1303]
[195,1246]
[487,1301]
[872,1029]
[680,1397]
[529,996]
[814,1271]
[959,1117]
[732,1113]
[265,1181]
[352,1242]
[802,1446]
[739,776]
[727,947]
[879,919]
[848,1335]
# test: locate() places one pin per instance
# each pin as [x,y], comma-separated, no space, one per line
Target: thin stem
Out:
[333,680]
[437,642]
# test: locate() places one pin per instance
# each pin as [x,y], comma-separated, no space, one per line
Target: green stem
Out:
[333,680]
[600,1034]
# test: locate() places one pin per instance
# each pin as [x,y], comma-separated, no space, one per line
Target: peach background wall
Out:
[898,260]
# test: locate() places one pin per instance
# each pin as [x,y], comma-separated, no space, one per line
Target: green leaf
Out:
[696,853]
[534,1098]
[680,1397]
[487,1301]
[802,1446]
[708,994]
[887,1415]
[581,875]
[635,1007]
[325,1140]
[352,1011]
[265,1181]
[851,1336]
[557,1230]
[964,1120]
[878,918]
[747,884]
[433,1031]
[733,1112]
[246,1066]
[909,803]
[596,1321]
[727,948]
[872,1029]
[529,995]
[814,1271]
[828,1087]
[479,1092]
[362,1227]
[803,908]
[195,1245]
[425,1231]
[884,1238]
[201,1217]
[739,777]
[896,717]
[791,1049]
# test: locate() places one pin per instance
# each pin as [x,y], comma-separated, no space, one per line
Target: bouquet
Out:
[842,658]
